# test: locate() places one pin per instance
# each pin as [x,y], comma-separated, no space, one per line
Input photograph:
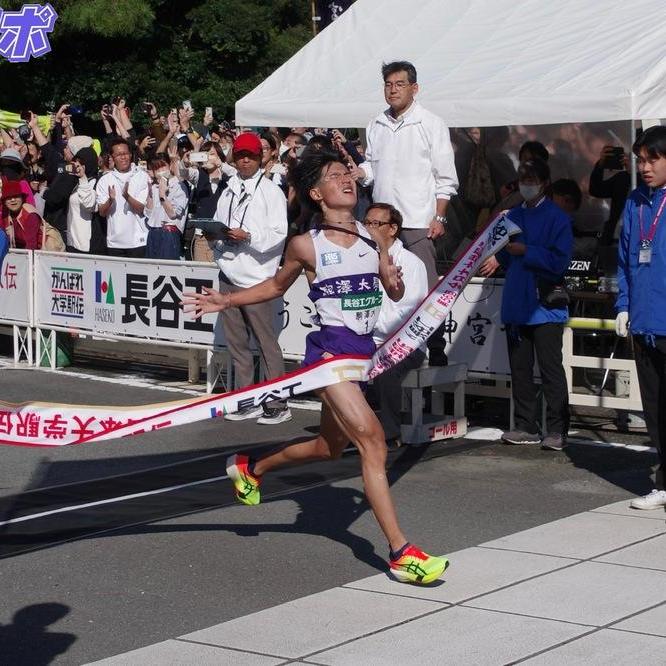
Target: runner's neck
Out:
[340,219]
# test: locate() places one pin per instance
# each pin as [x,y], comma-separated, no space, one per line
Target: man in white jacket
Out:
[409,162]
[255,210]
[387,221]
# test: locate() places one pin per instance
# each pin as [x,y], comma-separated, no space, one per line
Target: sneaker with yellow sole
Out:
[246,485]
[415,566]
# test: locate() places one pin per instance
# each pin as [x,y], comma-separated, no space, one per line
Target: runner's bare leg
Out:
[346,416]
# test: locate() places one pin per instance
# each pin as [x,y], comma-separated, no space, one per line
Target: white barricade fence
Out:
[16,306]
[474,330]
[138,300]
[16,288]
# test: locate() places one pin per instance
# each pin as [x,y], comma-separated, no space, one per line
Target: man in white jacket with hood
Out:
[255,210]
[410,163]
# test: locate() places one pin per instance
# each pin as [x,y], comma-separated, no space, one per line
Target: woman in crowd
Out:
[165,213]
[20,222]
[12,168]
[207,180]
[534,308]
[82,203]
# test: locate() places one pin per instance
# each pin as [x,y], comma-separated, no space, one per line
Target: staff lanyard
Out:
[653,227]
[240,203]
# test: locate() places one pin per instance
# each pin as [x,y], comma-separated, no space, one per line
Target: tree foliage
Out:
[210,51]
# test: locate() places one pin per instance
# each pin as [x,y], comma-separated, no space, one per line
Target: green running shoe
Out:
[246,484]
[415,566]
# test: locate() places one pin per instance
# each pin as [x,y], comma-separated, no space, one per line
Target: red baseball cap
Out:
[11,188]
[247,143]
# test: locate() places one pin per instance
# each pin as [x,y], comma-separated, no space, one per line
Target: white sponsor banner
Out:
[437,306]
[109,296]
[474,331]
[45,424]
[15,287]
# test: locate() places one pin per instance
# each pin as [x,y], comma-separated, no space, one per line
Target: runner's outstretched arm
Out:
[212,300]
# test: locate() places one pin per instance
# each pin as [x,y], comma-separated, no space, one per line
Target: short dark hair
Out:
[566,187]
[308,172]
[653,140]
[395,216]
[269,139]
[396,66]
[301,139]
[536,148]
[534,169]
[320,142]
[207,145]
[119,141]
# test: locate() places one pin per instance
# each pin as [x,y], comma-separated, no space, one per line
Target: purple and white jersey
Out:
[346,289]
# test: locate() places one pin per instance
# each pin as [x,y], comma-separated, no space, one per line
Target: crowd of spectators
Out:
[131,190]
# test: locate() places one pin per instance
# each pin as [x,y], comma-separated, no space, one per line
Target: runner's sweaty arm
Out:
[298,257]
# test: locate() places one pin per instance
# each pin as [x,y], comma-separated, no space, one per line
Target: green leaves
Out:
[210,51]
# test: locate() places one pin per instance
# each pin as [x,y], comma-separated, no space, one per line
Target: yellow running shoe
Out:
[415,566]
[246,484]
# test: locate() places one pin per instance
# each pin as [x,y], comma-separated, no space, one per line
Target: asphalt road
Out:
[178,555]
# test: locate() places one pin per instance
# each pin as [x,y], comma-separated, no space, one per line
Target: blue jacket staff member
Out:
[641,301]
[534,310]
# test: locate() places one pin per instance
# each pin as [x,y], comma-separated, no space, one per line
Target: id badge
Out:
[645,253]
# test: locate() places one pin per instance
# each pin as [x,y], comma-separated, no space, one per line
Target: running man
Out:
[338,253]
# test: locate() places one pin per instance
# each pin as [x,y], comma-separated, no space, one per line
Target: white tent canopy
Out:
[479,62]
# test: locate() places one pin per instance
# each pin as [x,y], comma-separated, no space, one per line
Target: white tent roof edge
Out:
[507,63]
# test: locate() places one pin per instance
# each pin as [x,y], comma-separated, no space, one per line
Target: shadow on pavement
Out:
[324,510]
[27,640]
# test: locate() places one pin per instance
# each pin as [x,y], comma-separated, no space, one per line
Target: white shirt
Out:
[415,279]
[156,216]
[125,229]
[79,215]
[259,207]
[410,161]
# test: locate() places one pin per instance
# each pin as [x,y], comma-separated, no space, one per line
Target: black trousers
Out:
[546,341]
[651,369]
[129,252]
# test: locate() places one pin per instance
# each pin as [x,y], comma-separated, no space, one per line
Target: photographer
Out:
[208,181]
[611,180]
[165,213]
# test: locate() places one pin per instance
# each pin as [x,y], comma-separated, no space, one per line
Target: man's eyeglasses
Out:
[374,223]
[398,85]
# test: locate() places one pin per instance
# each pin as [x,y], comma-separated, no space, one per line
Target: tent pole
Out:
[634,180]
[314,18]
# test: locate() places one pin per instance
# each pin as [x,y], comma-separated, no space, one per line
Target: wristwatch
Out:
[441,219]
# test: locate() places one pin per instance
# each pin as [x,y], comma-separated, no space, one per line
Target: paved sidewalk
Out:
[588,589]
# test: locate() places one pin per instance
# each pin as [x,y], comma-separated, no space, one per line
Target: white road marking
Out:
[125,380]
[110,500]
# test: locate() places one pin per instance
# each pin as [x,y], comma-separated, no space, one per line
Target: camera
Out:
[197,157]
[615,160]
[24,132]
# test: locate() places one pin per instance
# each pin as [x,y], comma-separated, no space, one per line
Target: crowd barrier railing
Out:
[137,300]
